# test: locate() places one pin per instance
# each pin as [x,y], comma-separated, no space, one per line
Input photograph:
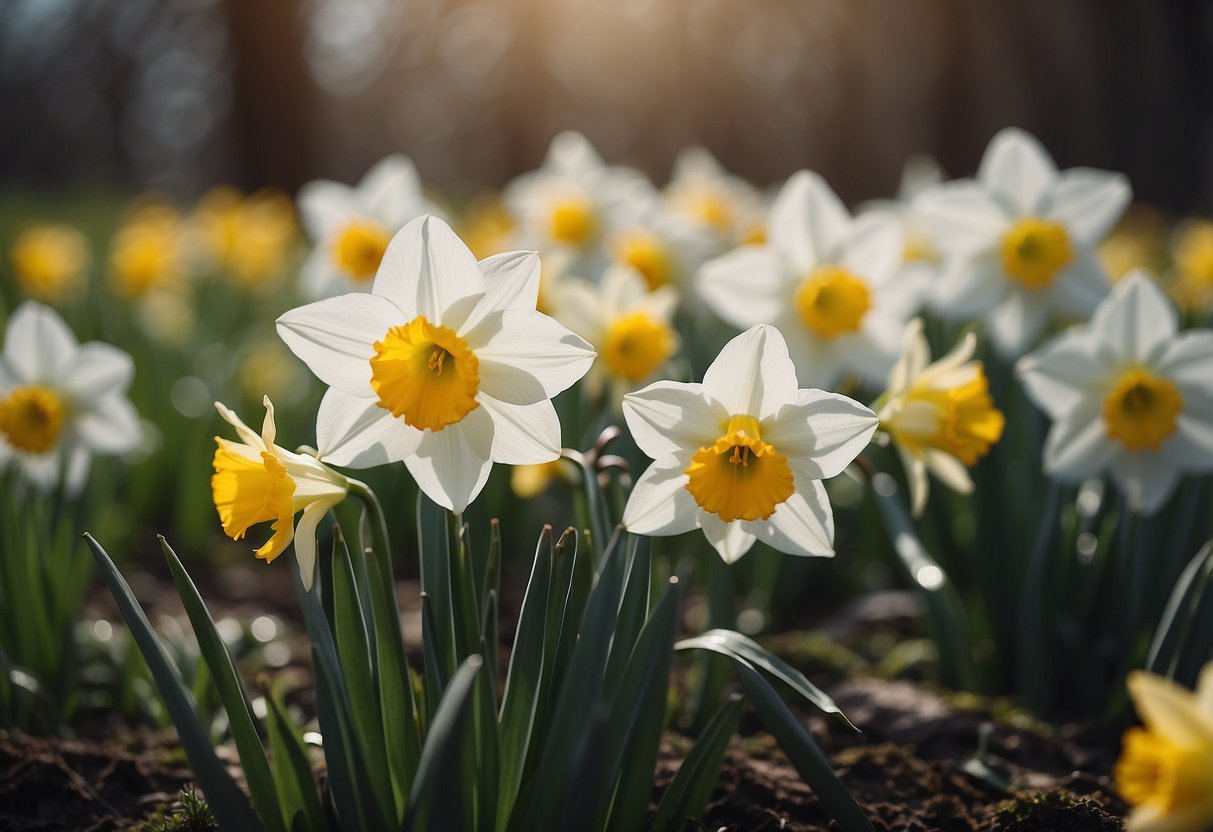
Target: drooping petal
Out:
[745,287]
[1136,320]
[336,337]
[803,524]
[452,465]
[821,432]
[1017,167]
[660,503]
[247,435]
[730,540]
[75,471]
[38,345]
[523,434]
[526,347]
[668,417]
[950,470]
[1146,477]
[1088,201]
[427,269]
[753,374]
[97,369]
[305,541]
[358,433]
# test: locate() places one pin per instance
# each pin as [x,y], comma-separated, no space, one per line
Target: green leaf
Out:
[485,755]
[231,693]
[520,701]
[229,804]
[436,800]
[802,751]
[687,796]
[293,778]
[736,646]
[434,546]
[633,608]
[1179,640]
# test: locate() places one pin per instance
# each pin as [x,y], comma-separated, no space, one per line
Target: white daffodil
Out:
[257,481]
[939,415]
[446,364]
[1019,243]
[1128,394]
[351,226]
[1165,770]
[920,259]
[662,247]
[628,326]
[726,207]
[825,280]
[742,455]
[575,202]
[61,401]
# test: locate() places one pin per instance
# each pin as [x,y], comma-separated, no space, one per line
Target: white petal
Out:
[753,375]
[110,425]
[98,369]
[730,540]
[527,356]
[821,432]
[1190,448]
[969,287]
[336,337]
[75,471]
[871,352]
[1017,167]
[427,269]
[38,345]
[571,153]
[305,541]
[817,362]
[808,221]
[660,503]
[324,206]
[391,190]
[668,417]
[917,480]
[915,356]
[962,217]
[1059,375]
[1078,290]
[356,432]
[452,465]
[1188,360]
[247,435]
[1078,446]
[1088,201]
[950,471]
[512,281]
[875,250]
[745,287]
[1016,324]
[41,471]
[1168,708]
[803,524]
[1136,320]
[1146,477]
[523,434]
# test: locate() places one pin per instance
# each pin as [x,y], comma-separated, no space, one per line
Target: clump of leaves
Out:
[189,814]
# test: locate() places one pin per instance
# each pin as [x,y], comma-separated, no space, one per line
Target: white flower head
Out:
[662,247]
[257,481]
[726,207]
[1128,395]
[445,365]
[825,280]
[1019,242]
[574,202]
[742,455]
[628,325]
[351,226]
[61,401]
[920,258]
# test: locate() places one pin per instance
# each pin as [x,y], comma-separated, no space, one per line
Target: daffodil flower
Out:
[49,261]
[445,365]
[727,208]
[1019,243]
[1165,770]
[742,455]
[1128,394]
[148,252]
[60,401]
[257,481]
[352,226]
[824,280]
[628,326]
[939,415]
[920,258]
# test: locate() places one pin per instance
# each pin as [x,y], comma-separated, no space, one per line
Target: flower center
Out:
[739,477]
[1034,251]
[573,221]
[918,249]
[425,374]
[832,301]
[708,207]
[961,421]
[644,252]
[31,418]
[359,248]
[247,492]
[636,345]
[1156,771]
[1141,410]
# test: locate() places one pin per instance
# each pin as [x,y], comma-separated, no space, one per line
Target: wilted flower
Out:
[1019,242]
[257,481]
[351,226]
[825,280]
[742,455]
[1165,770]
[49,262]
[148,252]
[445,365]
[727,208]
[628,326]
[60,401]
[1128,394]
[940,415]
[249,238]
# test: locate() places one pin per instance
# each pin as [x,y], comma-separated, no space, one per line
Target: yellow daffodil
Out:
[940,415]
[148,252]
[1165,770]
[249,238]
[527,481]
[49,262]
[1192,282]
[257,481]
